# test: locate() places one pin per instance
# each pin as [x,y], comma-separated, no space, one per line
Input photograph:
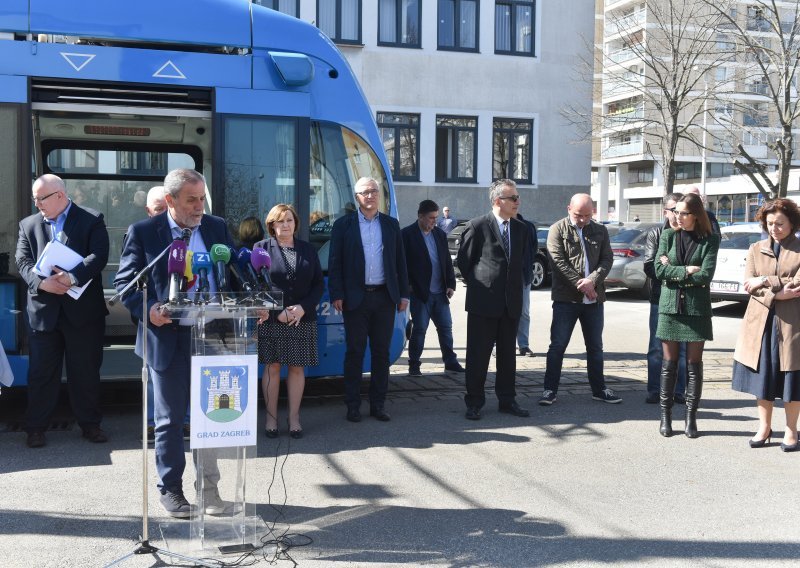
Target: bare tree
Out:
[660,67]
[767,40]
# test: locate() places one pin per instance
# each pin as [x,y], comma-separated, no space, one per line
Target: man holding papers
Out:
[66,323]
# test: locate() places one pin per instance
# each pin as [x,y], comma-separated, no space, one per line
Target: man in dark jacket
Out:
[493,248]
[368,283]
[432,282]
[654,350]
[63,327]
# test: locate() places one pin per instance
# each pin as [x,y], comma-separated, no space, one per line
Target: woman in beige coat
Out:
[767,360]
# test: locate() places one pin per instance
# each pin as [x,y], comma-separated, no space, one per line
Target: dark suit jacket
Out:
[346,268]
[145,241]
[85,233]
[418,261]
[493,282]
[307,285]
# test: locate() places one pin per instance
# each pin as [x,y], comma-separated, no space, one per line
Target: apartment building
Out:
[626,181]
[467,91]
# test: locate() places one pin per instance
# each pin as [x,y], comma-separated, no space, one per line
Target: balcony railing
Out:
[628,149]
[622,55]
[613,86]
[624,119]
[626,23]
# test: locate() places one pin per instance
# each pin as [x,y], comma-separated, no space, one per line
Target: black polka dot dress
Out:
[288,344]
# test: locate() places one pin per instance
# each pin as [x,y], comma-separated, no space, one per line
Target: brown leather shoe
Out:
[95,435]
[36,440]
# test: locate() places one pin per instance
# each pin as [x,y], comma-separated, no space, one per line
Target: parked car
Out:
[728,282]
[541,265]
[628,268]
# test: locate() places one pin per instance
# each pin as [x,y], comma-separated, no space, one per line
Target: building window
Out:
[513,27]
[400,136]
[755,114]
[640,175]
[456,148]
[399,23]
[290,7]
[340,20]
[511,149]
[717,170]
[458,25]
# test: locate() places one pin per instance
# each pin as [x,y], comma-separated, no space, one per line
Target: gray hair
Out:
[155,193]
[671,197]
[364,181]
[497,187]
[176,179]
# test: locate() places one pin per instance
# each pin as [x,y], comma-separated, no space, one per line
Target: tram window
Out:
[339,157]
[121,193]
[259,167]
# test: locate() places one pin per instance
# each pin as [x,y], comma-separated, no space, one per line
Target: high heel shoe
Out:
[791,447]
[762,443]
[295,433]
[271,432]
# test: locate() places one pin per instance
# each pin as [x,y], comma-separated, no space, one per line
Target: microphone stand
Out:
[144,546]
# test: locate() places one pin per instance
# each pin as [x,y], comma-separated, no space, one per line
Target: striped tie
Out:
[505,238]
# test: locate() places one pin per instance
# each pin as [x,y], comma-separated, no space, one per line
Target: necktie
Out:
[505,237]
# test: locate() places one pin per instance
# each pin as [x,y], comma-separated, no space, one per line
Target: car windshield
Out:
[739,240]
[625,236]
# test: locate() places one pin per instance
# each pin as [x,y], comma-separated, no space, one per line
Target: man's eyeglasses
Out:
[368,193]
[41,199]
[513,198]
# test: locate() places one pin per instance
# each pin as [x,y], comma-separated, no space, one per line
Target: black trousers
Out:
[373,320]
[483,333]
[81,347]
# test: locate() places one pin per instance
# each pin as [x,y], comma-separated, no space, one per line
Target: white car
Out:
[728,282]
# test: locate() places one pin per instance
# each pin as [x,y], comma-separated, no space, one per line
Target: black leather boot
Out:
[694,389]
[669,376]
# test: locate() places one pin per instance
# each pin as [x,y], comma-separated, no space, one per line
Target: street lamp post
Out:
[705,127]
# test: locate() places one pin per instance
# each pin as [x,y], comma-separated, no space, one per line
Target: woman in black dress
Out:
[767,358]
[289,336]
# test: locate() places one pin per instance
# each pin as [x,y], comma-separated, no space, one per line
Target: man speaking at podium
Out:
[169,342]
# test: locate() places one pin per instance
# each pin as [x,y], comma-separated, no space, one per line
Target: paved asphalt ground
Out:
[581,483]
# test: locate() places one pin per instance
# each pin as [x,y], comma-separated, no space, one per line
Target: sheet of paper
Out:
[59,254]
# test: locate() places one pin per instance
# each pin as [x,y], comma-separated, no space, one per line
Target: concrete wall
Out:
[430,82]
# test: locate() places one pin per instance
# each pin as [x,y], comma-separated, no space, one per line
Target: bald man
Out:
[63,328]
[155,201]
[581,256]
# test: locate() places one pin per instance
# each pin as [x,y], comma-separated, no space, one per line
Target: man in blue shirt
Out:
[433,282]
[368,283]
[446,223]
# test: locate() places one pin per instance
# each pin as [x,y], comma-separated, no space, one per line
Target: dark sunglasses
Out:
[513,198]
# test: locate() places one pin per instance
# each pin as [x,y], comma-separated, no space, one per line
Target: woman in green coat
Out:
[687,259]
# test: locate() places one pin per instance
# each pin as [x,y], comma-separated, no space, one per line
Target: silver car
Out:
[628,268]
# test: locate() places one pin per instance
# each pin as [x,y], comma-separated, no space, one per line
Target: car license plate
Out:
[725,286]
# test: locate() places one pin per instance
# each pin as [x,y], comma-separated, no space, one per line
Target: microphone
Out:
[176,265]
[233,264]
[201,264]
[243,259]
[220,256]
[261,262]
